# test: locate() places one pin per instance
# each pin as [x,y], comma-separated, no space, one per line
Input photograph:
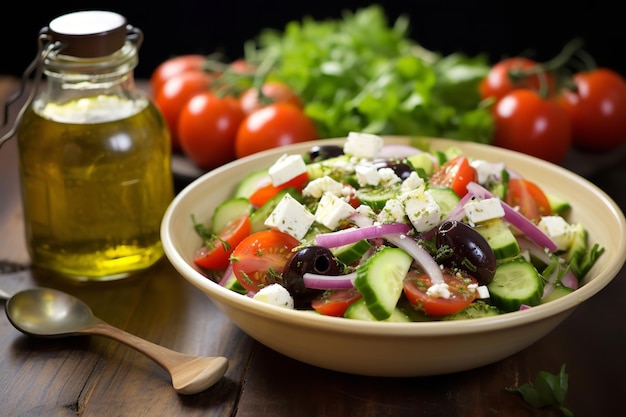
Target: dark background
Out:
[538,29]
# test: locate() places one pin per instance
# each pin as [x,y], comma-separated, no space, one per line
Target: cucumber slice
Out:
[580,243]
[377,197]
[559,291]
[325,167]
[234,285]
[352,252]
[250,183]
[229,210]
[500,237]
[516,282]
[475,310]
[422,163]
[557,204]
[379,279]
[445,197]
[359,311]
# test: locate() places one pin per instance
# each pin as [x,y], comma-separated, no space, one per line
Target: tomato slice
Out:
[266,192]
[215,253]
[335,302]
[260,258]
[530,199]
[456,174]
[417,283]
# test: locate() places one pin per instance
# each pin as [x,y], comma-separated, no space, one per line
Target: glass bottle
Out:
[94,154]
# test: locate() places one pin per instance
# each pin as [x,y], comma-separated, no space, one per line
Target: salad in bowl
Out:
[394,256]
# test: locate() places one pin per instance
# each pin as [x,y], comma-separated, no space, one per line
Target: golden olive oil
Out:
[96,181]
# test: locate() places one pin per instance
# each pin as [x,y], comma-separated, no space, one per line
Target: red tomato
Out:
[216,253]
[174,66]
[261,257]
[417,283]
[271,92]
[525,122]
[508,75]
[207,128]
[530,199]
[456,174]
[266,192]
[597,110]
[175,93]
[335,302]
[272,126]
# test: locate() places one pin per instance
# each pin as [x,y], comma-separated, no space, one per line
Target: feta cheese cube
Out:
[290,217]
[559,230]
[319,186]
[331,210]
[363,145]
[422,209]
[388,176]
[392,212]
[480,210]
[275,294]
[484,170]
[412,182]
[286,168]
[367,175]
[439,291]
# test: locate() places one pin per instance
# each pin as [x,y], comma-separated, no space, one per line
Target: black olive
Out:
[314,259]
[401,169]
[469,250]
[323,152]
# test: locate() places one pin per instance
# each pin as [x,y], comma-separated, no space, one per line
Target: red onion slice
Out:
[347,236]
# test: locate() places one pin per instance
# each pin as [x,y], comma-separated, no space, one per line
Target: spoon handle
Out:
[190,374]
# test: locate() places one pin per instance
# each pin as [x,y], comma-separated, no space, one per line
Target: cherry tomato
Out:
[260,258]
[526,123]
[507,75]
[207,127]
[174,66]
[597,110]
[266,192]
[215,254]
[175,93]
[456,174]
[417,283]
[271,92]
[530,199]
[272,126]
[335,302]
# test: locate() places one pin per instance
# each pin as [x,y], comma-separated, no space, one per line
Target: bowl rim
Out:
[432,328]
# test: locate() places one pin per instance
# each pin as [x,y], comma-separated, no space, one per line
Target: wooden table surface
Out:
[94,376]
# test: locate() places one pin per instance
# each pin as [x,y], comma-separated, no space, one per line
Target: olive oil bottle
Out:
[94,154]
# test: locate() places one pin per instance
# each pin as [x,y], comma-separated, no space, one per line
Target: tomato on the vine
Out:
[215,254]
[260,258]
[207,128]
[456,174]
[175,93]
[272,126]
[271,92]
[174,66]
[527,123]
[528,197]
[597,110]
[512,74]
[417,283]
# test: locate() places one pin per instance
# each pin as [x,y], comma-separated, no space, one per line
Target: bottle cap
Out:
[89,34]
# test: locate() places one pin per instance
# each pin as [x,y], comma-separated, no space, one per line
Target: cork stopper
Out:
[89,34]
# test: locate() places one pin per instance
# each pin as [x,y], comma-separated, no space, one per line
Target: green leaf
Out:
[547,390]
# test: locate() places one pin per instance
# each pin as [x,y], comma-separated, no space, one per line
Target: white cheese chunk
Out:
[363,145]
[481,210]
[392,212]
[367,175]
[484,170]
[319,186]
[421,209]
[559,230]
[286,168]
[290,217]
[388,176]
[438,291]
[275,294]
[412,182]
[331,210]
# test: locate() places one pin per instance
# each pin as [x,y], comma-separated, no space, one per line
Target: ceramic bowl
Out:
[396,349]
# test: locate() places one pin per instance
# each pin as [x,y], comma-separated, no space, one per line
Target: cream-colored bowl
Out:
[396,349]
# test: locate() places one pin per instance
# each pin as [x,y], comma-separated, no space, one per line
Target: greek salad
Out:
[388,232]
